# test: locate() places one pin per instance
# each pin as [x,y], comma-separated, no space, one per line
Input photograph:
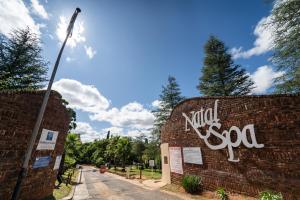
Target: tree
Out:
[72,115]
[107,135]
[152,152]
[285,19]
[71,152]
[21,63]
[220,76]
[111,150]
[86,152]
[72,145]
[169,98]
[99,155]
[123,150]
[138,147]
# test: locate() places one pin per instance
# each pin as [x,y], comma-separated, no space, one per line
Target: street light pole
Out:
[24,169]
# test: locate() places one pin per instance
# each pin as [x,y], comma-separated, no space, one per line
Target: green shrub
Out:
[99,161]
[192,184]
[222,194]
[69,162]
[269,195]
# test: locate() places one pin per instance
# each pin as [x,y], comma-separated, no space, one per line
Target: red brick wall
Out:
[276,166]
[18,113]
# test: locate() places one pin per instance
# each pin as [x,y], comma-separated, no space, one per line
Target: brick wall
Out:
[18,113]
[276,166]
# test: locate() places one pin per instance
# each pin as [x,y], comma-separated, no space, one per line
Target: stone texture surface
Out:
[18,113]
[276,166]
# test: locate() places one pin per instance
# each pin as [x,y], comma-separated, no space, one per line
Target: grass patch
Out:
[135,173]
[64,190]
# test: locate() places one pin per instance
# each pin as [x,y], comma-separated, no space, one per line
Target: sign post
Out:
[151,164]
[128,172]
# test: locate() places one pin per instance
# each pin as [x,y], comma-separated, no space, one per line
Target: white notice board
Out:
[176,160]
[57,162]
[151,163]
[192,155]
[47,140]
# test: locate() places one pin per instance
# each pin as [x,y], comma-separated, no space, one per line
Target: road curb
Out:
[181,196]
[71,194]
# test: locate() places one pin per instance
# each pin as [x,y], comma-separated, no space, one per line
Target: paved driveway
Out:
[107,187]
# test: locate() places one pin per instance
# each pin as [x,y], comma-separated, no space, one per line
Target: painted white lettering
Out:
[216,134]
[210,117]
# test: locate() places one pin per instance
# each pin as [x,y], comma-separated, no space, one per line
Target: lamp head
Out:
[78,10]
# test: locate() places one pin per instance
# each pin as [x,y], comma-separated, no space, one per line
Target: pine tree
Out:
[285,19]
[21,63]
[169,98]
[220,76]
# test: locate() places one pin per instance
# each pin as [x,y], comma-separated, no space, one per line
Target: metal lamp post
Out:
[38,122]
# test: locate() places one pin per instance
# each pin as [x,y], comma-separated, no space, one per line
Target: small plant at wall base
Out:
[192,184]
[222,194]
[269,195]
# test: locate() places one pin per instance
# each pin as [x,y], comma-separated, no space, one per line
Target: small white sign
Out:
[176,160]
[192,155]
[151,163]
[57,162]
[47,140]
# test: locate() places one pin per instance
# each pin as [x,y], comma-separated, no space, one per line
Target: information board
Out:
[41,162]
[176,160]
[151,163]
[192,155]
[57,162]
[47,140]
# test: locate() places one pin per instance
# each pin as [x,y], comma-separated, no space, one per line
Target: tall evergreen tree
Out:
[220,76]
[169,98]
[21,63]
[285,19]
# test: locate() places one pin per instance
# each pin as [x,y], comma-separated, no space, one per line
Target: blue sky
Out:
[122,51]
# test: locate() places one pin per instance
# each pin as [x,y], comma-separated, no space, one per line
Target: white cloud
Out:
[89,51]
[263,78]
[156,103]
[114,130]
[132,115]
[83,97]
[263,42]
[15,15]
[77,34]
[87,132]
[39,9]
[136,133]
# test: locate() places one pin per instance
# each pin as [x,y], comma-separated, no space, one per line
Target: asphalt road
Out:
[107,187]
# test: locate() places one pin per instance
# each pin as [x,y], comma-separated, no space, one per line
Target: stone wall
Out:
[276,166]
[18,113]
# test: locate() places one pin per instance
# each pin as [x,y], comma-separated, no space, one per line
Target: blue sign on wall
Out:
[41,162]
